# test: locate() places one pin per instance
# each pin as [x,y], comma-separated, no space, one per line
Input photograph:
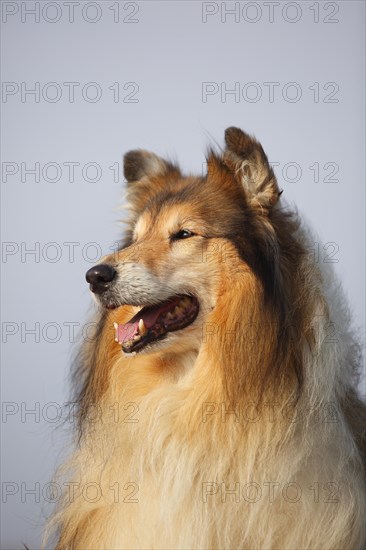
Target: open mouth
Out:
[152,323]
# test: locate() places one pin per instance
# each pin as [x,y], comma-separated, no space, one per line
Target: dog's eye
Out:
[182,234]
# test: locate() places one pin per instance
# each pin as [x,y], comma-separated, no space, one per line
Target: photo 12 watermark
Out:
[270,92]
[71,491]
[268,412]
[270,491]
[26,412]
[69,92]
[31,12]
[270,12]
[66,171]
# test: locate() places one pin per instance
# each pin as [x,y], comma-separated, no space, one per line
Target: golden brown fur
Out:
[255,397]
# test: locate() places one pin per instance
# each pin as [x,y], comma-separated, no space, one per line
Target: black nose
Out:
[100,276]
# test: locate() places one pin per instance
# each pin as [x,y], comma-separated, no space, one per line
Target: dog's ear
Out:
[139,163]
[146,175]
[245,157]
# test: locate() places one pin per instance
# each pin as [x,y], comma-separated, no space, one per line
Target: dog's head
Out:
[190,241]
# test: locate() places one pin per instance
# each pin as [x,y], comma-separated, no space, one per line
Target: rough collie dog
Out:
[217,403]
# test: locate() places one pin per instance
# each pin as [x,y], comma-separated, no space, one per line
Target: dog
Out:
[217,403]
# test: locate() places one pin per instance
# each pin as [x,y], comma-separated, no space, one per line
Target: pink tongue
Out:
[150,315]
[127,331]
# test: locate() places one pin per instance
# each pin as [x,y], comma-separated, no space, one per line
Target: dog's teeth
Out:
[142,328]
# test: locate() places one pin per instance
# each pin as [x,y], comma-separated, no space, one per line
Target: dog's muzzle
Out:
[127,283]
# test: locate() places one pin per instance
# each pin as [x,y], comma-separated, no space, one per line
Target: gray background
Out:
[168,52]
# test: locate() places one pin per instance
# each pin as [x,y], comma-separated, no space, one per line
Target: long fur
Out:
[246,432]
